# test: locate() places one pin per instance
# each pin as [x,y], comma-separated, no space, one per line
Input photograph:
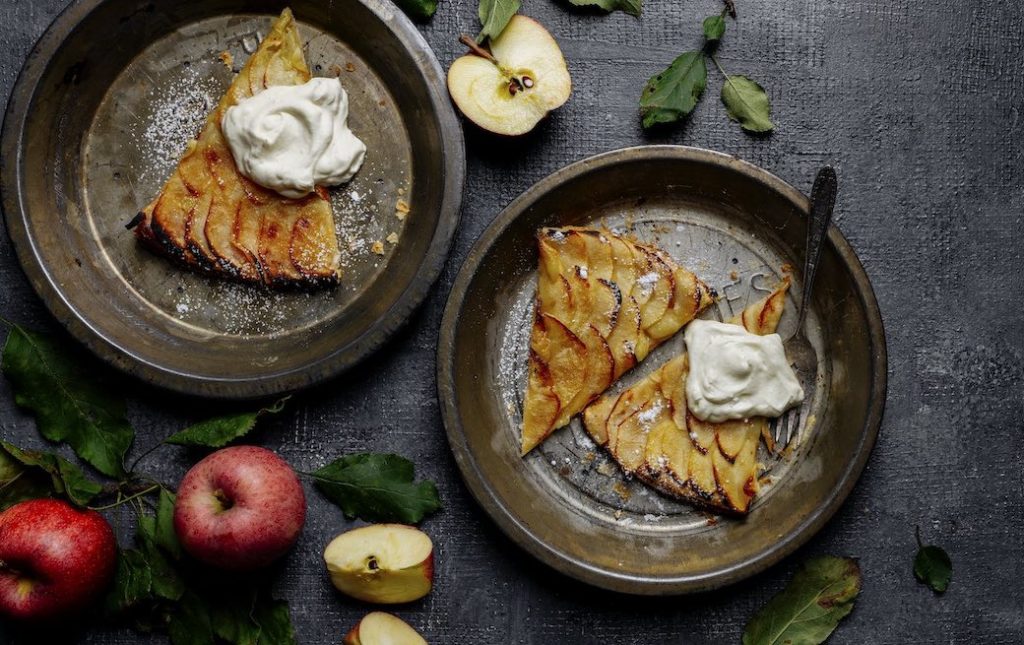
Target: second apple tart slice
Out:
[652,434]
[603,303]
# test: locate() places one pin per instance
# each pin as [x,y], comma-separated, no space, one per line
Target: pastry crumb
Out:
[349,67]
[402,206]
[228,60]
[400,215]
[401,191]
[335,70]
[378,247]
[393,238]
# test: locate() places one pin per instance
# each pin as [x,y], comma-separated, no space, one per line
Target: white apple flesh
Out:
[526,79]
[382,563]
[381,628]
[240,508]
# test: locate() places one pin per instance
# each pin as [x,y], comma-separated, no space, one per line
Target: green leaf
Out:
[494,15]
[418,9]
[164,535]
[632,7]
[166,583]
[69,402]
[807,611]
[219,431]
[932,566]
[30,474]
[377,488]
[672,94]
[133,582]
[190,622]
[252,618]
[19,483]
[747,103]
[714,28]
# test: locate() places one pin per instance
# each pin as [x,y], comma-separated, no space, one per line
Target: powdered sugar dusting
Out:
[179,111]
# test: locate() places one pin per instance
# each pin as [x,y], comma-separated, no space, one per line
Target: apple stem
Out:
[468,41]
[144,491]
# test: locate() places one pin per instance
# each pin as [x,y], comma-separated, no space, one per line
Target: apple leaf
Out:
[632,7]
[714,28]
[807,611]
[494,16]
[133,582]
[746,102]
[30,474]
[252,618]
[166,583]
[377,488]
[69,402]
[190,623]
[163,534]
[219,431]
[672,94]
[418,9]
[932,566]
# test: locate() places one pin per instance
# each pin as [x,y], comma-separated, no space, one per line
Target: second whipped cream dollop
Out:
[737,375]
[292,138]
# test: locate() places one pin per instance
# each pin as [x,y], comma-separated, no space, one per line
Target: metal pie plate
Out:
[103,109]
[739,228]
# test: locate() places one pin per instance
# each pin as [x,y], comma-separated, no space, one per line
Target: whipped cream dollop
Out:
[292,138]
[737,375]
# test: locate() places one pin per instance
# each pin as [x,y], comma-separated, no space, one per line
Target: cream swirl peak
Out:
[292,138]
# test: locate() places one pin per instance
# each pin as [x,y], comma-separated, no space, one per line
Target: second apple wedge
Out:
[382,563]
[380,628]
[509,90]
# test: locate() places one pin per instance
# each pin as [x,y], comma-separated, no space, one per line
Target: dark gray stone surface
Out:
[918,104]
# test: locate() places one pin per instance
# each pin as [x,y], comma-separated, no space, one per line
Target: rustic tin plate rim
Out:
[617,581]
[421,57]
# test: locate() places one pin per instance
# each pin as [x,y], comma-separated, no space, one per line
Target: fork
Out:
[798,349]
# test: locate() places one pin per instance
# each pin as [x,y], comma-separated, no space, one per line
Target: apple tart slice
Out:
[650,432]
[211,219]
[603,303]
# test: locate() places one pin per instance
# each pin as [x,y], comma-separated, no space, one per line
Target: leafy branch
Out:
[673,94]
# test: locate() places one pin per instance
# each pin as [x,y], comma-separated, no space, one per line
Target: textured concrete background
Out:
[918,104]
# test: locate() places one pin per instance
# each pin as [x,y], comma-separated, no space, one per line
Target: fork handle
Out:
[823,200]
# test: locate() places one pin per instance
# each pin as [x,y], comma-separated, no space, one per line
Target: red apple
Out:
[240,508]
[54,559]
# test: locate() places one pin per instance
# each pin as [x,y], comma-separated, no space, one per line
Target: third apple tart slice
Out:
[603,303]
[652,434]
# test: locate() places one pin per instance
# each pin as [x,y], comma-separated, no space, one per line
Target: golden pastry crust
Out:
[650,432]
[211,219]
[603,303]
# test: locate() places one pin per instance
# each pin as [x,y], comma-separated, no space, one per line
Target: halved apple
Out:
[382,628]
[511,88]
[382,563]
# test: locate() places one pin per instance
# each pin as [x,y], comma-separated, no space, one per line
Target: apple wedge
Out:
[511,88]
[382,628]
[382,563]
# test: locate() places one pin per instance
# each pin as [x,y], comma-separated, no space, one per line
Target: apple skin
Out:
[55,559]
[239,508]
[381,628]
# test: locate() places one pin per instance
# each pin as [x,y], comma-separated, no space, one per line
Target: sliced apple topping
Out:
[509,89]
[648,430]
[600,299]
